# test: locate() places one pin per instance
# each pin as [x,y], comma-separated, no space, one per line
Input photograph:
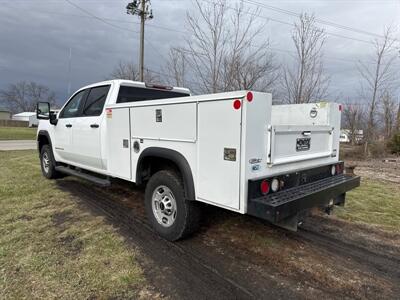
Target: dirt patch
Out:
[60,218]
[24,218]
[384,169]
[71,244]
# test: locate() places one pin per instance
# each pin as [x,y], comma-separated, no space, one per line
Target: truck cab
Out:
[79,133]
[233,150]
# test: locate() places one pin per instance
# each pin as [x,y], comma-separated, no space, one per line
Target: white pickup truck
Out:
[234,150]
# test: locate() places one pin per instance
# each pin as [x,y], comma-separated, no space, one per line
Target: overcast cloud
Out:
[35,38]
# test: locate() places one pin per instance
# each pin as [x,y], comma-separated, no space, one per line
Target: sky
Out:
[38,36]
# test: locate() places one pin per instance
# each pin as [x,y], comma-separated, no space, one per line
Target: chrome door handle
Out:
[94,125]
[68,125]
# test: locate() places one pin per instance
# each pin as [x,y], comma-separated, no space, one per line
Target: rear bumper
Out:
[279,206]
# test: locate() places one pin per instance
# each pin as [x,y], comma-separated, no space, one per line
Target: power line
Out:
[318,20]
[98,18]
[291,24]
[187,33]
[110,24]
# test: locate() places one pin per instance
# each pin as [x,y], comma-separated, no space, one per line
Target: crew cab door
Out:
[63,130]
[86,133]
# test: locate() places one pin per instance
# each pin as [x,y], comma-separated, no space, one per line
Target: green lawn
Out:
[17,133]
[50,248]
[374,202]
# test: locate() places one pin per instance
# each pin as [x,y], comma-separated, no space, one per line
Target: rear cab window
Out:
[95,101]
[133,94]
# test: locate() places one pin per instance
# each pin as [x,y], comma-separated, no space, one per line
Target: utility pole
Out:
[69,73]
[143,10]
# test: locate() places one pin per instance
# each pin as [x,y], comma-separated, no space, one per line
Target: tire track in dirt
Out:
[383,264]
[177,270]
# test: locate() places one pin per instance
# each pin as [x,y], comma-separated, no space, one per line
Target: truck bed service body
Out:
[234,150]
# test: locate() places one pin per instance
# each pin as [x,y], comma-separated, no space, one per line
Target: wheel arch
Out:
[153,154]
[43,138]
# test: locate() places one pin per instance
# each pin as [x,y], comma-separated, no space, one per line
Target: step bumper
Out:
[281,205]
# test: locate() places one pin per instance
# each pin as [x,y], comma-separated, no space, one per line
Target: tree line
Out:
[226,50]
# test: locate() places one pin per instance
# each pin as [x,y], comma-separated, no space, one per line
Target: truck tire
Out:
[170,214]
[47,163]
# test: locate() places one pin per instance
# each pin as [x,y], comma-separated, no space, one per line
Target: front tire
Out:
[170,214]
[47,163]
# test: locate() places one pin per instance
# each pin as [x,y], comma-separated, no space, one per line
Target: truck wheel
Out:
[170,214]
[47,163]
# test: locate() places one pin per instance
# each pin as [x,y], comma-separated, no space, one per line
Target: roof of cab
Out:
[125,82]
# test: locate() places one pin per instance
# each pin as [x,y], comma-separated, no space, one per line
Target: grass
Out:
[52,248]
[17,133]
[375,202]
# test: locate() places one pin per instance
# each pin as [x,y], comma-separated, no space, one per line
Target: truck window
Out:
[132,94]
[95,101]
[71,110]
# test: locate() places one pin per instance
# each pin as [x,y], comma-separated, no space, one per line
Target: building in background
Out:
[5,114]
[27,117]
[346,136]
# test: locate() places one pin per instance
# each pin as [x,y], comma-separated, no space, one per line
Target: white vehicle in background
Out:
[233,150]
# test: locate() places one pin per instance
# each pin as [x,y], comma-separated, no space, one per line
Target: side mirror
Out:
[53,118]
[43,111]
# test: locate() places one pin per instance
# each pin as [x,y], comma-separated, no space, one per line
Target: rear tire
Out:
[170,214]
[47,163]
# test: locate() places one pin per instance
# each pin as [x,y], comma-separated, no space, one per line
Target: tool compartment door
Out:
[219,132]
[293,143]
[118,142]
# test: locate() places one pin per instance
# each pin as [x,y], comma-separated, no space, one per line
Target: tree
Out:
[129,71]
[23,96]
[176,67]
[376,77]
[388,114]
[220,50]
[397,129]
[352,119]
[305,80]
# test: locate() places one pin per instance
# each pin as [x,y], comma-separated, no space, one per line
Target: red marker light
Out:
[237,104]
[264,187]
[249,96]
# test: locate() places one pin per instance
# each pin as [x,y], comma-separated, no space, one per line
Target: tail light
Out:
[339,169]
[275,185]
[333,170]
[264,187]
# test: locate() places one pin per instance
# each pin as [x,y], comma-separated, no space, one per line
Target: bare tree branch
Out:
[23,96]
[220,52]
[305,81]
[376,79]
[129,71]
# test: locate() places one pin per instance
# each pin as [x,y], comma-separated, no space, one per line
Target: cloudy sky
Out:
[36,37]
